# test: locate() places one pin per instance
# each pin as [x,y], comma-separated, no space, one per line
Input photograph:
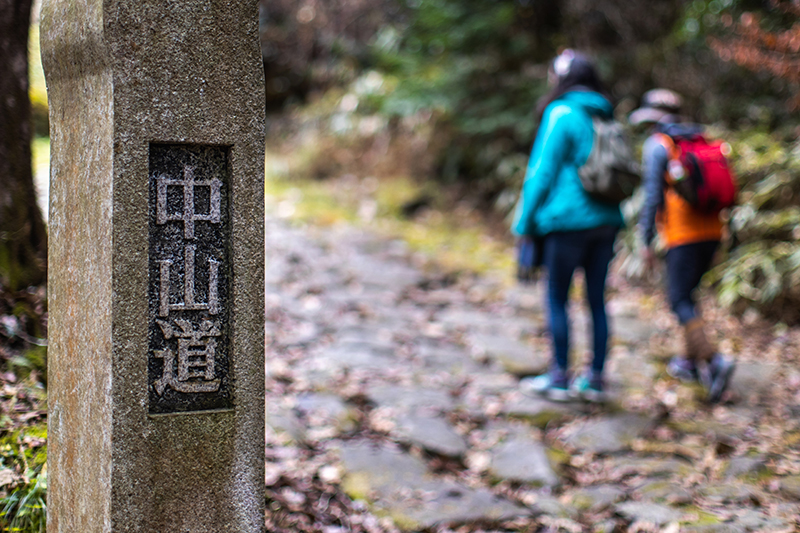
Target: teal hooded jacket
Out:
[552,198]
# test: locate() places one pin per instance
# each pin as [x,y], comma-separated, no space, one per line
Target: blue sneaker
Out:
[683,369]
[588,388]
[552,386]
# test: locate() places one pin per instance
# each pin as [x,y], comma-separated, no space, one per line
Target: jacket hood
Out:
[594,103]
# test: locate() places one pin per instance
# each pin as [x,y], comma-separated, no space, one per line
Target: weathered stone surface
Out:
[714,528]
[790,486]
[753,381]
[628,370]
[300,334]
[410,399]
[326,410]
[608,434]
[754,520]
[550,506]
[523,460]
[631,329]
[385,274]
[469,320]
[515,357]
[648,512]
[597,498]
[663,491]
[650,466]
[452,360]
[370,467]
[453,505]
[125,81]
[430,433]
[398,485]
[359,355]
[606,526]
[736,493]
[538,411]
[748,465]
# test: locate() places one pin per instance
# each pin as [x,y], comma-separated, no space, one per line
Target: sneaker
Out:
[547,385]
[720,370]
[588,389]
[682,368]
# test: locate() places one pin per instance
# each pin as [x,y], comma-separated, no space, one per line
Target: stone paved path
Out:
[408,383]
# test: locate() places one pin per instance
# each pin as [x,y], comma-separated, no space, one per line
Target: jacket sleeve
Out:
[654,165]
[549,152]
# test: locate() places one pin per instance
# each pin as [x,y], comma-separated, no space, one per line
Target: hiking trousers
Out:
[686,265]
[564,252]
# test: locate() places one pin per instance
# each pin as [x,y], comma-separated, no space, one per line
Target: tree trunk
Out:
[23,238]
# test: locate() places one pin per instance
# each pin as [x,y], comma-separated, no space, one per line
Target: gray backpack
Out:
[610,174]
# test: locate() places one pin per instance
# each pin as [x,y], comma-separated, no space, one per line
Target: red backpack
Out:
[699,172]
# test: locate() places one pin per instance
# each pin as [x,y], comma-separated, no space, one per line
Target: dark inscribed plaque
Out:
[188,366]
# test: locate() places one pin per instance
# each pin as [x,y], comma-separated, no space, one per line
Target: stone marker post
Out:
[156,358]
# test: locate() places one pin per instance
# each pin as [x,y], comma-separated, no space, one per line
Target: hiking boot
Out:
[720,370]
[682,368]
[552,386]
[588,388]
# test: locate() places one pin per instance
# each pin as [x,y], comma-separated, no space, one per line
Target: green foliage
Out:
[763,269]
[23,455]
[32,361]
[469,62]
[25,509]
[37,89]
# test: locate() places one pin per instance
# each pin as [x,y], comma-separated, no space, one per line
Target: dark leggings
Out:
[686,266]
[564,252]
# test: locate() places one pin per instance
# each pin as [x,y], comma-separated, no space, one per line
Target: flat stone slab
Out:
[630,370]
[648,512]
[663,491]
[790,486]
[651,466]
[538,411]
[597,498]
[384,274]
[631,329]
[733,493]
[523,460]
[470,320]
[514,356]
[754,520]
[302,333]
[451,359]
[326,410]
[753,381]
[360,354]
[410,399]
[609,434]
[746,466]
[286,423]
[550,506]
[454,505]
[431,433]
[398,485]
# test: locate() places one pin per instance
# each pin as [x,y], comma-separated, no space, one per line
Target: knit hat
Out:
[656,104]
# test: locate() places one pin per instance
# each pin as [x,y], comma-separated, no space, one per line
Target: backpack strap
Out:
[673,153]
[669,143]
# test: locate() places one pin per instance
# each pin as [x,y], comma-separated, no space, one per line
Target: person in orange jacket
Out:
[691,238]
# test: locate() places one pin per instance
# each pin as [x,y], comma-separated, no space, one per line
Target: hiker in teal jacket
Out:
[577,230]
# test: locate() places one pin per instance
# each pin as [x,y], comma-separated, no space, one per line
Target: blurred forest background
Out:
[440,94]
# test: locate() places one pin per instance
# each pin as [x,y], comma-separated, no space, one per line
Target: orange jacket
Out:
[677,221]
